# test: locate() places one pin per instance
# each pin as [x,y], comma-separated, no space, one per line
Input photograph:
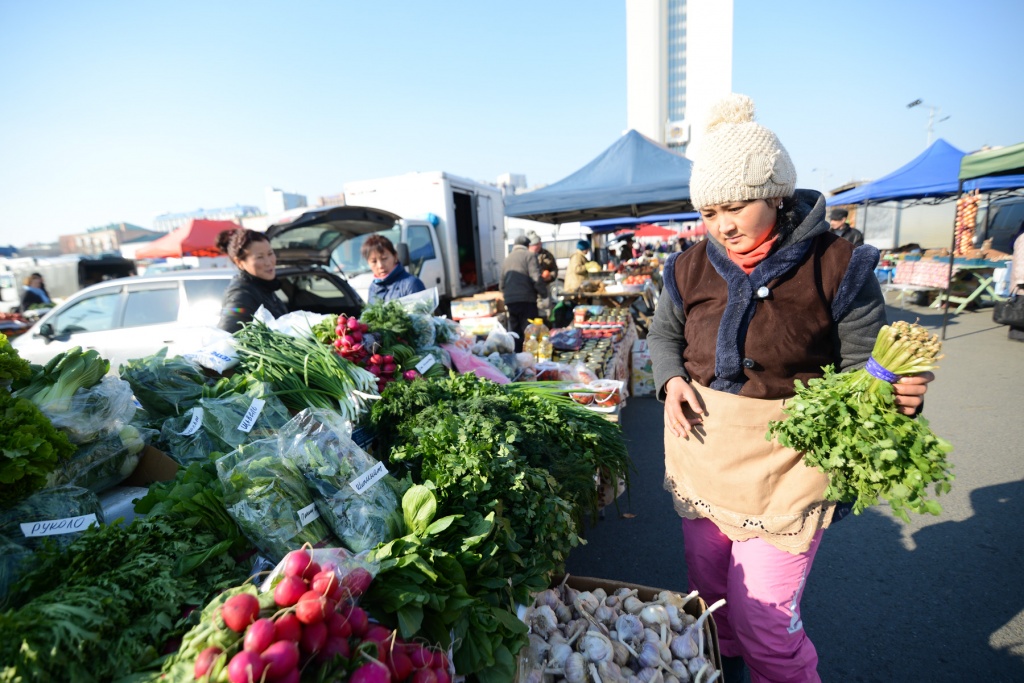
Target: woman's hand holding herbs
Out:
[909,392]
[683,408]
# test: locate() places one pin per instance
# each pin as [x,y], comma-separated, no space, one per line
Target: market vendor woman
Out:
[769,298]
[390,278]
[256,283]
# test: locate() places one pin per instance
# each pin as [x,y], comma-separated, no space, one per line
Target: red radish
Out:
[335,645]
[289,590]
[359,621]
[356,582]
[312,608]
[337,625]
[259,635]
[388,358]
[288,627]
[205,660]
[377,359]
[337,344]
[352,323]
[239,611]
[424,676]
[293,676]
[312,569]
[348,340]
[295,562]
[356,335]
[399,664]
[325,582]
[245,667]
[371,672]
[281,657]
[421,656]
[389,368]
[410,375]
[373,370]
[378,633]
[314,636]
[442,675]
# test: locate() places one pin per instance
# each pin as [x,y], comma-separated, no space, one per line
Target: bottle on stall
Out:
[538,337]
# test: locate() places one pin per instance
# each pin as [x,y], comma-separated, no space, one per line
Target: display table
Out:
[980,277]
[974,280]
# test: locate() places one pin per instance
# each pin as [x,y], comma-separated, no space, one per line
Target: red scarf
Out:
[748,260]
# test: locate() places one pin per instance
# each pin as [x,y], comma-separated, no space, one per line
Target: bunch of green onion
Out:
[848,426]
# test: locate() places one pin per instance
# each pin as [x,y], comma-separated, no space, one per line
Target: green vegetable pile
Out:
[515,466]
[100,609]
[12,366]
[30,448]
[389,322]
[166,387]
[847,425]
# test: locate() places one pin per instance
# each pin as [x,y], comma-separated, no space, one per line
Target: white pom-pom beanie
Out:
[738,159]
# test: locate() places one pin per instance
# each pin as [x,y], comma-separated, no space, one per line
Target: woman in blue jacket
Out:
[390,279]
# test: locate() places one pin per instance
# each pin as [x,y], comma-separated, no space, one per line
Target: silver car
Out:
[137,316]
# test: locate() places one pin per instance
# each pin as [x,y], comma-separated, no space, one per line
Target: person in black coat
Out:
[35,293]
[256,283]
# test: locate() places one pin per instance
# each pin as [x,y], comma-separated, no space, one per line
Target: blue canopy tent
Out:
[613,224]
[932,174]
[634,177]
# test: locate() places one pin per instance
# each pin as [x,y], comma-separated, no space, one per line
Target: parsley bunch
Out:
[847,425]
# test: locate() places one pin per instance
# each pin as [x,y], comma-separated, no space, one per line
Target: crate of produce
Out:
[471,307]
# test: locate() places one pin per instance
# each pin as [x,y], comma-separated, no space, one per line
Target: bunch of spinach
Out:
[446,580]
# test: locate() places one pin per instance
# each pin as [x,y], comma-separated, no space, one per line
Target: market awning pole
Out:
[949,276]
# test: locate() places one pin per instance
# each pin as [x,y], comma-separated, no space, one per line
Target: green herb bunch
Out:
[389,321]
[514,467]
[847,425]
[31,448]
[12,366]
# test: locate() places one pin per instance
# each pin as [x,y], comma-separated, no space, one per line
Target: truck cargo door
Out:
[467,241]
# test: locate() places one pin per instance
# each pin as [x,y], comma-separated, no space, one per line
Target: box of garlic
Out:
[587,629]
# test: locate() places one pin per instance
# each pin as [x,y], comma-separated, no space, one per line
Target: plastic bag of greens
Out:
[222,423]
[13,563]
[95,412]
[59,514]
[265,494]
[352,490]
[166,387]
[103,463]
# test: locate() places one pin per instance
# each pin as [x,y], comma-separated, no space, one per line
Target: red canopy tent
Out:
[698,230]
[652,230]
[198,238]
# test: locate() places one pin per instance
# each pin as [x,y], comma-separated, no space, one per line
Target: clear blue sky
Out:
[120,111]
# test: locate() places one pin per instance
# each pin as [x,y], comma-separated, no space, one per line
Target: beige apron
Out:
[749,487]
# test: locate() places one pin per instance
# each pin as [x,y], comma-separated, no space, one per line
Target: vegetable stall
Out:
[361,499]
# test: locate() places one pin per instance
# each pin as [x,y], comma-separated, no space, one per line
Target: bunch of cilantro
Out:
[847,425]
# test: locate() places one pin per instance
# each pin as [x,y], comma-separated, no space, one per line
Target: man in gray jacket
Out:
[521,284]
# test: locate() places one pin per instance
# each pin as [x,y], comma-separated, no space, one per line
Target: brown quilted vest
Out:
[791,334]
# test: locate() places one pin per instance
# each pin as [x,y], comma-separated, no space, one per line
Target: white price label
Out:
[368,478]
[195,423]
[425,364]
[251,415]
[56,527]
[308,514]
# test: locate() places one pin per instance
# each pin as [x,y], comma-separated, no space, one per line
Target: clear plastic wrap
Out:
[267,496]
[100,410]
[223,423]
[103,463]
[353,491]
[166,387]
[60,514]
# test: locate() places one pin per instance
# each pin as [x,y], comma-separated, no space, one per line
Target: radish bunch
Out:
[349,343]
[308,622]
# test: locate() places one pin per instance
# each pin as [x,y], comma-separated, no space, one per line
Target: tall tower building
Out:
[678,62]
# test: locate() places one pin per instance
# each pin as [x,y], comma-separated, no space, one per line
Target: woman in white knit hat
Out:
[770,298]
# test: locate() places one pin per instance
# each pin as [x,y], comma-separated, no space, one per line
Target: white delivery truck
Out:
[452,228]
[62,275]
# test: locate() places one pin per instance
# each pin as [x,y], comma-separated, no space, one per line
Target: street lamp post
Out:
[932,112]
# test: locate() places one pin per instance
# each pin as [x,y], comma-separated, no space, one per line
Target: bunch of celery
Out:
[847,425]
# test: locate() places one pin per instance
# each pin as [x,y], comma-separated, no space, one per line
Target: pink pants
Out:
[762,586]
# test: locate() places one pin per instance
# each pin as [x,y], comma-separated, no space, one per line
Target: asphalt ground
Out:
[939,599]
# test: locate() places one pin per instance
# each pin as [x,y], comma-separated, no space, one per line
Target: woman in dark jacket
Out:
[256,283]
[35,293]
[390,279]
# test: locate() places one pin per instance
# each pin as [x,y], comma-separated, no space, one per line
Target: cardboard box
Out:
[475,308]
[642,373]
[154,466]
[694,607]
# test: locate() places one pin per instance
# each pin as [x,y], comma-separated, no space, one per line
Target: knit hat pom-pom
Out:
[732,109]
